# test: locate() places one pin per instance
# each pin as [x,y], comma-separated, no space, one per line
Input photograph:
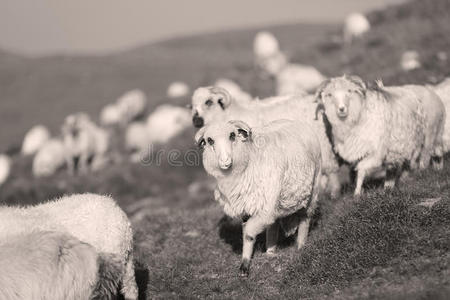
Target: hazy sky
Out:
[97,26]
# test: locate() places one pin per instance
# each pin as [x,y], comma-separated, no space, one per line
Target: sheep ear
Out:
[226,98]
[359,82]
[199,140]
[320,108]
[320,89]
[243,129]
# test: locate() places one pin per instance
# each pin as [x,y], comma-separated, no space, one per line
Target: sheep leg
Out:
[303,229]
[272,239]
[70,165]
[364,168]
[392,177]
[334,185]
[83,164]
[437,161]
[254,226]
[129,287]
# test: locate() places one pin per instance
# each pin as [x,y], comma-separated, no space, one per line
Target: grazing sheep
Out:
[372,128]
[234,89]
[410,60]
[111,115]
[49,158]
[93,219]
[166,122]
[54,265]
[132,105]
[177,89]
[269,174]
[5,168]
[34,139]
[213,103]
[84,141]
[443,91]
[355,26]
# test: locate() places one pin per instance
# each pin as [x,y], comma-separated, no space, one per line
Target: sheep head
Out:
[74,123]
[224,146]
[342,98]
[208,103]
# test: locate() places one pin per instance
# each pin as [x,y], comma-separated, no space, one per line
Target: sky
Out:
[45,27]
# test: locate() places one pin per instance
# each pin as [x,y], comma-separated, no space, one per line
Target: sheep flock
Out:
[270,160]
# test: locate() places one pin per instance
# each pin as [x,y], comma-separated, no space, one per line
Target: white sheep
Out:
[49,158]
[265,44]
[177,89]
[234,89]
[443,90]
[214,103]
[137,140]
[410,60]
[372,128]
[132,105]
[54,265]
[166,122]
[34,139]
[93,219]
[298,79]
[356,25]
[111,115]
[270,174]
[84,140]
[5,168]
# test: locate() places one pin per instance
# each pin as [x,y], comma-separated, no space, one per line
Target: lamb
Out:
[443,91]
[177,89]
[132,105]
[375,129]
[269,174]
[213,103]
[34,139]
[55,265]
[84,140]
[49,158]
[356,24]
[93,219]
[5,168]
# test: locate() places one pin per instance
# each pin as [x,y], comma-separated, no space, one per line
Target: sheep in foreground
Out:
[54,265]
[443,90]
[93,219]
[49,158]
[234,89]
[213,103]
[34,139]
[269,174]
[5,168]
[355,26]
[84,141]
[372,128]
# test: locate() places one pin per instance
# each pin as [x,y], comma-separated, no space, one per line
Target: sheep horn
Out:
[199,135]
[242,127]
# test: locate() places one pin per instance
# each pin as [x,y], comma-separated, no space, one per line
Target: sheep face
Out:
[224,145]
[208,102]
[73,124]
[342,98]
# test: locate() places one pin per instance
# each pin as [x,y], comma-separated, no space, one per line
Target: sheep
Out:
[84,140]
[166,122]
[372,128]
[214,103]
[137,140]
[93,219]
[34,139]
[111,115]
[410,60]
[443,91]
[132,105]
[5,168]
[298,79]
[49,158]
[356,25]
[265,44]
[177,89]
[55,265]
[234,89]
[268,174]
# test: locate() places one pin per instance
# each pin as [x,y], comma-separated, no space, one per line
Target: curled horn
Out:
[199,136]
[243,129]
[359,82]
[320,89]
[226,98]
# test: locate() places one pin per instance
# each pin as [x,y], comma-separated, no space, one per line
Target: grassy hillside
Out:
[382,246]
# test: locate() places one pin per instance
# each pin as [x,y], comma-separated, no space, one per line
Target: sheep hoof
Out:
[244,269]
[271,252]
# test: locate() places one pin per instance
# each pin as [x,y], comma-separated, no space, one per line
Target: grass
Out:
[381,246]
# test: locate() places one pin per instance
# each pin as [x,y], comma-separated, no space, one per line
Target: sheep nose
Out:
[197,120]
[225,164]
[342,109]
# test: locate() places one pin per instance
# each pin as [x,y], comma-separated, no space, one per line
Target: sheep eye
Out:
[209,102]
[210,141]
[201,144]
[232,136]
[328,95]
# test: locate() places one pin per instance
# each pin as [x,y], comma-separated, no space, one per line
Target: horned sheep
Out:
[268,174]
[382,129]
[55,265]
[93,219]
[213,103]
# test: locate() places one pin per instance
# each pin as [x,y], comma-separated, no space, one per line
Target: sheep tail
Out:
[110,272]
